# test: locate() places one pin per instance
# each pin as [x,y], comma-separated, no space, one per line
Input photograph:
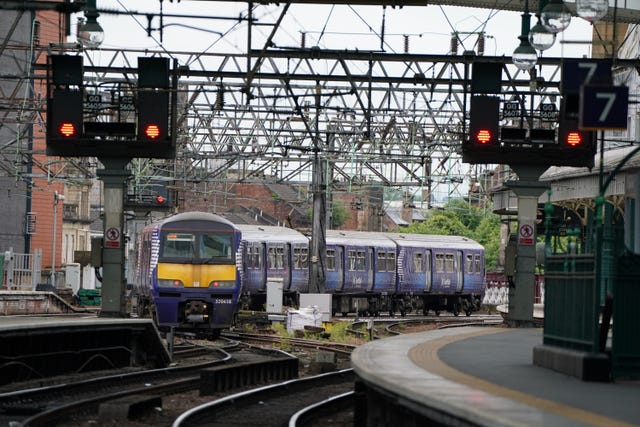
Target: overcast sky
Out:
[334,27]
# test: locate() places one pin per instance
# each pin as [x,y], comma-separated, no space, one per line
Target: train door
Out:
[370,265]
[428,270]
[459,269]
[261,264]
[340,267]
[284,255]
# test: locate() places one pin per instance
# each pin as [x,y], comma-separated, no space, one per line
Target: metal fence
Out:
[569,301]
[21,271]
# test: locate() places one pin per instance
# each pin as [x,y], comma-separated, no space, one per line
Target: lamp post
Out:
[525,56]
[56,199]
[90,33]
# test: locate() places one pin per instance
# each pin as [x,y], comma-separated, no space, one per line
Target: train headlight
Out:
[222,284]
[170,283]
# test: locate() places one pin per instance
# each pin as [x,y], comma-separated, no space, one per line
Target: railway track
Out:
[82,400]
[273,405]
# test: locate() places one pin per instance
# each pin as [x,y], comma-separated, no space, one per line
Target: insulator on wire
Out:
[303,40]
[220,97]
[481,43]
[406,43]
[454,44]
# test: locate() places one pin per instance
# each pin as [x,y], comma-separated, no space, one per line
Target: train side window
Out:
[469,264]
[449,263]
[360,262]
[382,262]
[418,262]
[271,260]
[478,264]
[391,261]
[352,260]
[280,257]
[300,258]
[331,260]
[439,263]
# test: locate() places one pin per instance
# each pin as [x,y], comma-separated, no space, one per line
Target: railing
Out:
[21,271]
[569,301]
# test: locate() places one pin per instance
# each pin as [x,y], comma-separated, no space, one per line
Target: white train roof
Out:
[269,233]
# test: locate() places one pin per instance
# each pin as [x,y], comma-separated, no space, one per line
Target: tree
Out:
[488,235]
[440,222]
[459,219]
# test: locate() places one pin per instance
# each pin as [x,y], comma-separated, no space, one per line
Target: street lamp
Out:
[591,10]
[56,199]
[555,16]
[525,56]
[90,33]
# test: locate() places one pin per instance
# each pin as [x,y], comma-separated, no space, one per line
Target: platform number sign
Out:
[582,72]
[604,107]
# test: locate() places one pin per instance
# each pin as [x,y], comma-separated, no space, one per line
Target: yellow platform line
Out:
[426,356]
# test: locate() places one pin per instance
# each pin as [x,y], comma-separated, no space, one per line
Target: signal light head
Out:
[160,200]
[483,136]
[67,129]
[574,138]
[152,131]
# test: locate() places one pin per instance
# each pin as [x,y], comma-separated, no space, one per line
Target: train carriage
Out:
[439,272]
[269,253]
[187,275]
[360,270]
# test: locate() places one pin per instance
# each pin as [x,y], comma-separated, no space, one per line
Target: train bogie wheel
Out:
[456,310]
[437,312]
[467,312]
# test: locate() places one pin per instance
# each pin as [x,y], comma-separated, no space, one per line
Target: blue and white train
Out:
[195,270]
[367,272]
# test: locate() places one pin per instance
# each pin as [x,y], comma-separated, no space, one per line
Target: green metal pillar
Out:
[114,176]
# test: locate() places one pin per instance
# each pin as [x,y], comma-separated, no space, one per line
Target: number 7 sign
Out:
[603,107]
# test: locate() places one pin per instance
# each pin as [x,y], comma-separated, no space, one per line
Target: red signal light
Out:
[152,131]
[160,200]
[483,136]
[574,138]
[67,129]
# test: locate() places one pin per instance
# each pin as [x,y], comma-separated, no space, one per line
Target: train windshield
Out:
[197,247]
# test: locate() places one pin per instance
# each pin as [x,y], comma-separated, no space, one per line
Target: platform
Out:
[477,376]
[37,347]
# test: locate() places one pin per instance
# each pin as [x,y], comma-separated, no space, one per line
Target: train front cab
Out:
[195,283]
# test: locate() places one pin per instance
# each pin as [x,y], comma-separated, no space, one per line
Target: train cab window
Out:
[478,264]
[300,258]
[215,246]
[179,245]
[469,264]
[439,263]
[418,262]
[331,260]
[449,263]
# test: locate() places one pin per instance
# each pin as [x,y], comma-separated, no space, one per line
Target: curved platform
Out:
[477,376]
